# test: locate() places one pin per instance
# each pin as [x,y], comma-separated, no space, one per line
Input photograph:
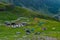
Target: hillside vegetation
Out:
[36,21]
[11,12]
[8,12]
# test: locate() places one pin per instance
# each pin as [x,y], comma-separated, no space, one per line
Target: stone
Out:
[16,25]
[19,25]
[44,28]
[13,26]
[28,32]
[7,23]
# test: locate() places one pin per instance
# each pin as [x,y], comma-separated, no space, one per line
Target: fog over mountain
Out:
[50,7]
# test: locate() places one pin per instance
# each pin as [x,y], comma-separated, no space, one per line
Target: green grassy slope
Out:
[10,33]
[12,12]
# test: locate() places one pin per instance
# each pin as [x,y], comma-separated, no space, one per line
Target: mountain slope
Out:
[11,12]
[48,7]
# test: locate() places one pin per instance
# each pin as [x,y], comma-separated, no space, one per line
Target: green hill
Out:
[10,12]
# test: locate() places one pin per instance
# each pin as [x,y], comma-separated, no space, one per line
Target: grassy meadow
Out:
[52,27]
